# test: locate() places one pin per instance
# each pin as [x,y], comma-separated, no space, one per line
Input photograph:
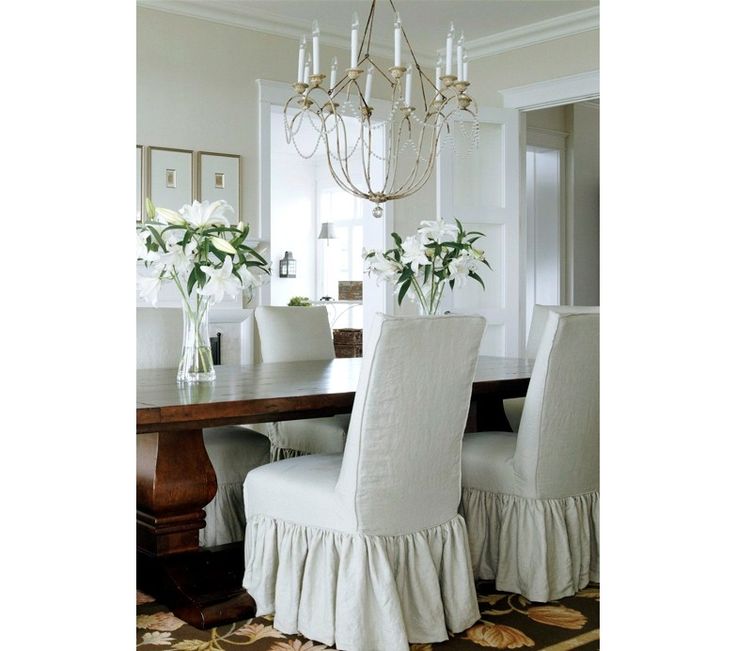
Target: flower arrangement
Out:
[423,265]
[206,257]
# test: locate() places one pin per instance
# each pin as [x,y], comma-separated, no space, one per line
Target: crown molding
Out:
[535,33]
[276,25]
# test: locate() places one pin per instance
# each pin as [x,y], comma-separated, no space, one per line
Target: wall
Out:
[583,219]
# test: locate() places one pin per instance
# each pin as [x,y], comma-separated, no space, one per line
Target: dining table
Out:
[175,478]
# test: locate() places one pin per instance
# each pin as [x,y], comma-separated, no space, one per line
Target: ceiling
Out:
[494,24]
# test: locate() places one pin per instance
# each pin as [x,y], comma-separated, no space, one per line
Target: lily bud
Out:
[222,245]
[241,226]
[170,217]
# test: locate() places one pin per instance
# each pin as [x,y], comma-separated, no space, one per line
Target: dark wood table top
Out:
[284,391]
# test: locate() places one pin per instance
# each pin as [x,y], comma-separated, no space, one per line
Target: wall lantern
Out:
[287,266]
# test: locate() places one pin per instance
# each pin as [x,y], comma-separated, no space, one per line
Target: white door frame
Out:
[542,94]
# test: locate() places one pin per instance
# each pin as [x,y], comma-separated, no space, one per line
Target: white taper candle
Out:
[354,42]
[465,67]
[448,50]
[407,92]
[438,72]
[397,40]
[460,52]
[315,46]
[302,50]
[308,68]
[368,86]
[333,72]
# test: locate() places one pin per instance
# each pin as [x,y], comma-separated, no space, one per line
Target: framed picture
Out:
[139,191]
[170,176]
[219,178]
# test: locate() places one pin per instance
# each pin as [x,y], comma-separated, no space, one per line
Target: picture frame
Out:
[218,177]
[140,190]
[170,176]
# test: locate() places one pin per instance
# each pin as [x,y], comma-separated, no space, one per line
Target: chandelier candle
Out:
[354,42]
[333,72]
[407,92]
[302,50]
[460,50]
[397,41]
[465,68]
[448,50]
[315,47]
[388,152]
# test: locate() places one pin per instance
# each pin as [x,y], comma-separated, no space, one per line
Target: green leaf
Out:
[452,284]
[475,276]
[397,239]
[427,271]
[192,280]
[157,237]
[403,290]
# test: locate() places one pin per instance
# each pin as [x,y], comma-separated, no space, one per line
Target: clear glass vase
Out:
[196,363]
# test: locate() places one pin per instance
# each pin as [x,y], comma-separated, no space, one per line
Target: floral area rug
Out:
[508,621]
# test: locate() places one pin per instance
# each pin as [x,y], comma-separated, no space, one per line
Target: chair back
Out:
[158,337]
[294,334]
[401,467]
[558,442]
[539,321]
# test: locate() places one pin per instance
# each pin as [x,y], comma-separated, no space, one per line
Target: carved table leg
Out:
[175,480]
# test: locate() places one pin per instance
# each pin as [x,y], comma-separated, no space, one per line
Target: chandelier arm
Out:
[346,184]
[368,31]
[342,161]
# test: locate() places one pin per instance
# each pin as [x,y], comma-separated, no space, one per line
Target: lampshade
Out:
[327,232]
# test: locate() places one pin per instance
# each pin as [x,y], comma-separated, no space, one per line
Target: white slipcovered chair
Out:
[233,450]
[514,406]
[367,551]
[531,500]
[295,334]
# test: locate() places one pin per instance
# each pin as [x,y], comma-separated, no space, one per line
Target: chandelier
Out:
[380,157]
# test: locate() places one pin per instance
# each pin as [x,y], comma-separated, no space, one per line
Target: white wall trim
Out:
[535,33]
[553,92]
[276,25]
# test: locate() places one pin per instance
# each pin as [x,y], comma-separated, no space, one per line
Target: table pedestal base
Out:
[203,587]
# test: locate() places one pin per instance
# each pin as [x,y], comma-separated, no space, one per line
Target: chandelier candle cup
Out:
[397,71]
[316,80]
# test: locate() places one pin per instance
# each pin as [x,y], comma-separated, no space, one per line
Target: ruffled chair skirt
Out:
[361,592]
[544,549]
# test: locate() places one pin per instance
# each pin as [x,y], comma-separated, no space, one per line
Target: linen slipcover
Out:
[531,500]
[514,406]
[366,550]
[296,334]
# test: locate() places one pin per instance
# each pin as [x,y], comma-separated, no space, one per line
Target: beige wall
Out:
[583,225]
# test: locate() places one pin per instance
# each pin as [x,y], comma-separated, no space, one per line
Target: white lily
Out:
[170,217]
[251,278]
[179,258]
[221,281]
[383,268]
[439,230]
[149,287]
[414,254]
[200,215]
[460,267]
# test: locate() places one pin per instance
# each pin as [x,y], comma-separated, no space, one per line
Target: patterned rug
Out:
[508,621]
